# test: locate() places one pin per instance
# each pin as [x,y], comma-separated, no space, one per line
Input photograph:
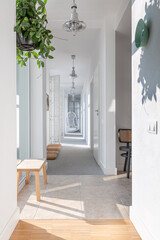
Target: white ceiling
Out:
[125,23]
[59,10]
[83,45]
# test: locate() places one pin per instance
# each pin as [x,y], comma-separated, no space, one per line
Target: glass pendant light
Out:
[73,75]
[74,25]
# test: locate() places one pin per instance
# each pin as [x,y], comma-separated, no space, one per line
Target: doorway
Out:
[123,80]
[95,115]
[73,115]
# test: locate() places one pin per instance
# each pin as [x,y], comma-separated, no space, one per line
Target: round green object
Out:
[142,34]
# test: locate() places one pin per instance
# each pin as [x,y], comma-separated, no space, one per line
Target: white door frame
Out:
[96,74]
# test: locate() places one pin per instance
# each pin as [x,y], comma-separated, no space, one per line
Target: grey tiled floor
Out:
[77,197]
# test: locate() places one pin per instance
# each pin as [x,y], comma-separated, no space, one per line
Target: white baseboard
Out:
[108,172]
[140,226]
[9,228]
[21,185]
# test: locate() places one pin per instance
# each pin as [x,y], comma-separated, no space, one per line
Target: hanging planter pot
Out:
[25,44]
[32,33]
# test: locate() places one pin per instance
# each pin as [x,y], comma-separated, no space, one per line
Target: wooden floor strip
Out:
[75,230]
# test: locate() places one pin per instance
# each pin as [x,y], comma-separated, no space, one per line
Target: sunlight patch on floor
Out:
[77,197]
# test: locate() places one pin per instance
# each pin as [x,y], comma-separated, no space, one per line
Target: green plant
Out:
[31,21]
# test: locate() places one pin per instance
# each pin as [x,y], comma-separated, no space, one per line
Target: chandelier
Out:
[74,25]
[73,85]
[72,91]
[73,75]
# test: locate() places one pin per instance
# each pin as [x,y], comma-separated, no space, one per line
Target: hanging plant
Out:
[33,38]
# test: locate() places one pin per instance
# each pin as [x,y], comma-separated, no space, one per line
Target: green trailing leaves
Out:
[49,56]
[35,55]
[31,23]
[41,3]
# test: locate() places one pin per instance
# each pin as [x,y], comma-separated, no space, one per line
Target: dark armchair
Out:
[125,136]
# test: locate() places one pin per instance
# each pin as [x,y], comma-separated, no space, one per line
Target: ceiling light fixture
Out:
[74,25]
[73,85]
[73,75]
[72,91]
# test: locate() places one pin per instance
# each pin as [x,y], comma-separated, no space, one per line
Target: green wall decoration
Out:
[142,34]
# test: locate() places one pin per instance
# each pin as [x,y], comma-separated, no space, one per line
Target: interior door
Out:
[95,108]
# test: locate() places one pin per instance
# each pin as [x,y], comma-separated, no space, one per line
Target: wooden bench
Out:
[32,165]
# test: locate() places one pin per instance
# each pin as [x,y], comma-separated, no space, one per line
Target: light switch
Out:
[153,127]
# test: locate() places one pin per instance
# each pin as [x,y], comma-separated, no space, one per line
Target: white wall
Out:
[110,97]
[104,59]
[62,113]
[38,111]
[88,113]
[48,75]
[145,212]
[101,64]
[54,110]
[98,62]
[44,107]
[86,99]
[123,89]
[8,177]
[47,112]
[23,122]
[83,107]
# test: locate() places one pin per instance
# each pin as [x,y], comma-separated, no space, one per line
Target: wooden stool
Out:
[32,165]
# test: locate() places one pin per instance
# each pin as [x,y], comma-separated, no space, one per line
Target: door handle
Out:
[97,111]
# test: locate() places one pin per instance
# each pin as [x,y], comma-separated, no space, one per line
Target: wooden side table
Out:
[32,165]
